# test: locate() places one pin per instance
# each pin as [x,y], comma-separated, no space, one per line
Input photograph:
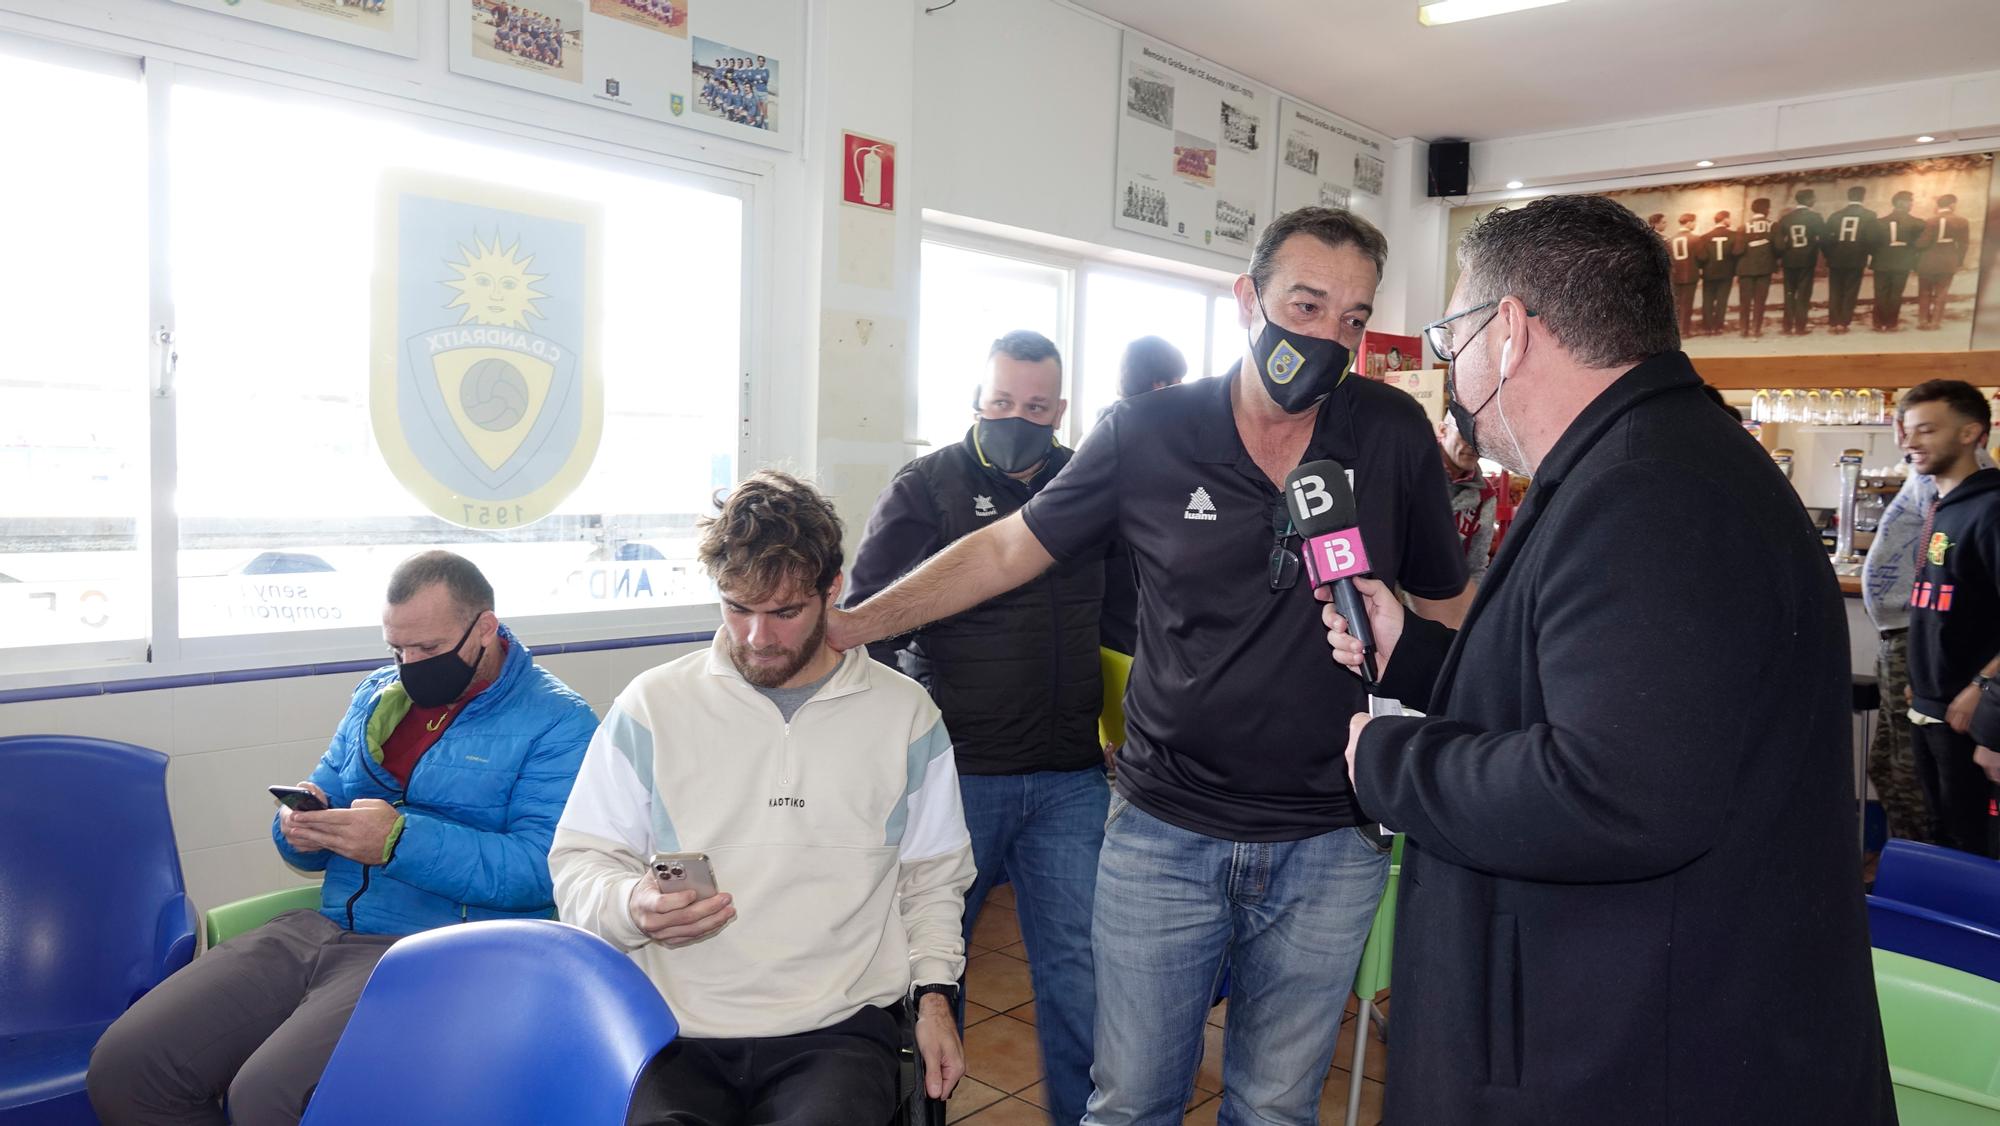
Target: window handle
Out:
[170,361]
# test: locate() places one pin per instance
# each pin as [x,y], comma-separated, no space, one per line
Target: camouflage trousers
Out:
[1891,765]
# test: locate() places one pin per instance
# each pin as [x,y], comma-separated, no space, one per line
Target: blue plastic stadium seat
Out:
[503,1023]
[1944,880]
[1934,937]
[93,912]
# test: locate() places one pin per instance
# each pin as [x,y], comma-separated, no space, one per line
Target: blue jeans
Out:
[1041,832]
[1173,908]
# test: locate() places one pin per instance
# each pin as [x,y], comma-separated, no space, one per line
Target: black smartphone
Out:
[298,799]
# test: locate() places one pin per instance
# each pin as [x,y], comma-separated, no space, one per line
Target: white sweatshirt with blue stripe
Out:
[840,836]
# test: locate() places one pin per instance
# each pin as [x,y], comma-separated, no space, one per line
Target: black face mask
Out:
[1298,371]
[1468,426]
[436,681]
[1012,445]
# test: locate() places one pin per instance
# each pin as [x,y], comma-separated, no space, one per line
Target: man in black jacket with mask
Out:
[1630,887]
[1017,680]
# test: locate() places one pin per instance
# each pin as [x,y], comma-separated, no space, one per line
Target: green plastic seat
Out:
[1941,1027]
[1372,976]
[231,919]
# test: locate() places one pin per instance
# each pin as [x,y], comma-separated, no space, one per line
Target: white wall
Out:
[1017,110]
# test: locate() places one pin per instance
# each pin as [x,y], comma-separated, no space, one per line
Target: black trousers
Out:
[1684,306]
[843,1075]
[1756,295]
[1843,289]
[1956,791]
[1798,296]
[1715,303]
[1889,287]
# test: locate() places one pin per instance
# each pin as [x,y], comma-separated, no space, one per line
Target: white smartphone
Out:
[684,871]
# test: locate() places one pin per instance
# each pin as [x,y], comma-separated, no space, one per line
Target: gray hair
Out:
[1334,226]
[468,588]
[1591,269]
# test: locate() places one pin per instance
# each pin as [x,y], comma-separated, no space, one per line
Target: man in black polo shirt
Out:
[1233,837]
[1954,606]
[1017,680]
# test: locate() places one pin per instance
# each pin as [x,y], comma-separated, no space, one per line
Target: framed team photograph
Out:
[668,16]
[1194,159]
[544,38]
[738,86]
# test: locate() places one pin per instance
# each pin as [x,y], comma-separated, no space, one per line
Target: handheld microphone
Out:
[1321,503]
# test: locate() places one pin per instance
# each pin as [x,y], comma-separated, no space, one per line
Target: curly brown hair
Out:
[774,530]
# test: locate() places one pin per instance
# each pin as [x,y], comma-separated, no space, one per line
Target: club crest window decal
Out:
[486,395]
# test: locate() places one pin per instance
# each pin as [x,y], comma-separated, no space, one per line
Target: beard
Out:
[777,665]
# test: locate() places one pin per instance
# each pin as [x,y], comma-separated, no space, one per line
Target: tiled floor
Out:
[1003,1085]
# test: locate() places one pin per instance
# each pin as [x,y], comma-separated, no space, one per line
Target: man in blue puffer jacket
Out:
[441,791]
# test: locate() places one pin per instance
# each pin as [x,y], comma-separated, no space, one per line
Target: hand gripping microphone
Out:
[1321,503]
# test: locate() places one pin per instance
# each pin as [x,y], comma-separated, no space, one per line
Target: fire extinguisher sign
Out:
[868,174]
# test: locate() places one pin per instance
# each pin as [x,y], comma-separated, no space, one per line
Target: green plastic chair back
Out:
[1373,975]
[1942,1029]
[1116,669]
[231,919]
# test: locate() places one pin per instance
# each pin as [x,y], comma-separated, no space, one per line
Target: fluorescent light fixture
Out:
[1438,12]
[1515,185]
[1925,139]
[1704,164]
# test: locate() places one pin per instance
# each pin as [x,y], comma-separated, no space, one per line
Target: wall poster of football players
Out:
[1194,149]
[1855,259]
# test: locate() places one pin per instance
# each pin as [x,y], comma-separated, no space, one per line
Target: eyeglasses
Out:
[1284,561]
[1440,332]
[1443,335]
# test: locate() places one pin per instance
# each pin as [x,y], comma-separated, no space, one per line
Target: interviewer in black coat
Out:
[1631,892]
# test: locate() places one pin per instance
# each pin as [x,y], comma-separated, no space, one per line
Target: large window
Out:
[73,442]
[970,299]
[273,253]
[974,291]
[269,498]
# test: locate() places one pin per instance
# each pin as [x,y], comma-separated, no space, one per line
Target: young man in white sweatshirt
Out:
[821,788]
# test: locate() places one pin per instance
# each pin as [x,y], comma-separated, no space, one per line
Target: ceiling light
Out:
[1515,185]
[1925,139]
[1438,12]
[1704,164]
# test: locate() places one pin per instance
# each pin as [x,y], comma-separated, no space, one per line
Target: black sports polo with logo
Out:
[1236,714]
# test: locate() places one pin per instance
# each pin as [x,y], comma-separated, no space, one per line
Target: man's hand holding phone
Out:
[677,918]
[296,836]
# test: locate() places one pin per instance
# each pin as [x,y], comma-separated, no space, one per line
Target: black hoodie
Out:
[1955,604]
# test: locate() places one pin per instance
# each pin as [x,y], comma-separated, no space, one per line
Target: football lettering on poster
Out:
[1194,151]
[1871,258]
[485,394]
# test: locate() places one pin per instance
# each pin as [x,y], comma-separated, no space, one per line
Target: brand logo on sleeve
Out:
[982,506]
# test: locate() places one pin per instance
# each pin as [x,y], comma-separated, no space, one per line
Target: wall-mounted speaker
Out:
[1451,167]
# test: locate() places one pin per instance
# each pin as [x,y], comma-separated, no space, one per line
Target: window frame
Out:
[1076,263]
[562,132]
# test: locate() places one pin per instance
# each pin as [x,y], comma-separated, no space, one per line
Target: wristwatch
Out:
[948,992]
[1981,680]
